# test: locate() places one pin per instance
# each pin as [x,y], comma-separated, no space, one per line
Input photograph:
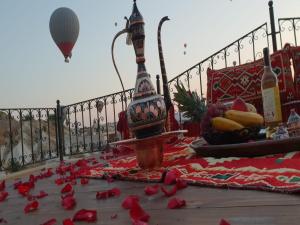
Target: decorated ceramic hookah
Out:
[147,111]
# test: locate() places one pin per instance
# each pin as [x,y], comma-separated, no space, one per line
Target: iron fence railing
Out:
[31,135]
[27,136]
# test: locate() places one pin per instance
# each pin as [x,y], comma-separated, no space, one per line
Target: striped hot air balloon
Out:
[64,29]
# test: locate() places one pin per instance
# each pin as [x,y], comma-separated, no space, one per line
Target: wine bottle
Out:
[270,93]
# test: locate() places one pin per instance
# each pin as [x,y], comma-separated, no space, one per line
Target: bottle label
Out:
[271,105]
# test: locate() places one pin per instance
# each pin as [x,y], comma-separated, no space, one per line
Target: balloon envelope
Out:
[64,29]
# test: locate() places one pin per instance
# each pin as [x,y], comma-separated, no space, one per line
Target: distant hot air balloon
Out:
[64,29]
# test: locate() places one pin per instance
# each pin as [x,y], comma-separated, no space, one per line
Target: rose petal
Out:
[181,184]
[224,222]
[68,222]
[114,216]
[50,222]
[2,220]
[70,194]
[151,190]
[3,195]
[170,177]
[114,192]
[169,193]
[127,202]
[107,194]
[138,222]
[84,181]
[59,181]
[85,215]
[67,188]
[137,213]
[42,194]
[2,185]
[23,189]
[68,202]
[31,206]
[176,203]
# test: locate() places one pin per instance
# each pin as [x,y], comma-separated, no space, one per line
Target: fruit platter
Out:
[235,129]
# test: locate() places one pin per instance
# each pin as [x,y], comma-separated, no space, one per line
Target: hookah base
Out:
[149,131]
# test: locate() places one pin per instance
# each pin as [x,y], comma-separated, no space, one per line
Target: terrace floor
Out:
[203,205]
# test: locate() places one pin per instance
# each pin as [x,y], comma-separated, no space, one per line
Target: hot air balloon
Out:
[64,29]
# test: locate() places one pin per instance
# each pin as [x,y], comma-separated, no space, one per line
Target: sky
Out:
[34,74]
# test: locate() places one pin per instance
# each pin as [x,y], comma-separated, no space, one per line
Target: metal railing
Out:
[31,135]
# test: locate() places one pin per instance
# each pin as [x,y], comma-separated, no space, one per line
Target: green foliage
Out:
[190,103]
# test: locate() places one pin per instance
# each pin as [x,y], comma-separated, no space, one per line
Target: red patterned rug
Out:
[278,173]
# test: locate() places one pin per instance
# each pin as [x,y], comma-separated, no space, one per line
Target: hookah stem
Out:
[113,59]
[167,97]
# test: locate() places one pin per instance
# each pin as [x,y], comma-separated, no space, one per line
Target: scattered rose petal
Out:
[2,185]
[3,195]
[170,177]
[114,216]
[42,194]
[50,222]
[70,194]
[181,184]
[31,206]
[59,181]
[107,194]
[68,222]
[176,203]
[23,189]
[67,188]
[151,189]
[84,181]
[85,215]
[68,202]
[169,193]
[137,213]
[2,220]
[224,222]
[127,203]
[138,222]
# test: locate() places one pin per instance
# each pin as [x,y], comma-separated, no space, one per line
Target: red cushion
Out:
[245,80]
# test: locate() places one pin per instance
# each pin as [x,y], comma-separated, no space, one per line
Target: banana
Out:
[223,124]
[247,119]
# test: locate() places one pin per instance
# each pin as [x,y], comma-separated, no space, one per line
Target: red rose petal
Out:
[2,185]
[23,189]
[70,194]
[42,194]
[2,220]
[181,184]
[170,177]
[176,203]
[59,181]
[50,222]
[137,213]
[67,188]
[114,192]
[31,206]
[68,222]
[169,193]
[68,202]
[138,222]
[127,203]
[114,216]
[3,195]
[107,194]
[85,215]
[151,190]
[224,222]
[84,181]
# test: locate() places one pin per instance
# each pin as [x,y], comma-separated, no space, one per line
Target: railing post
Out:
[272,22]
[59,133]
[157,84]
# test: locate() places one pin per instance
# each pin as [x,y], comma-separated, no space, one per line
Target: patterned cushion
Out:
[245,80]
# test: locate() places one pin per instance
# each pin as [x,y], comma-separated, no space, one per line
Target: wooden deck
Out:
[204,205]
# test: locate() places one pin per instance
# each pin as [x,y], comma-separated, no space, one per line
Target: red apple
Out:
[240,105]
